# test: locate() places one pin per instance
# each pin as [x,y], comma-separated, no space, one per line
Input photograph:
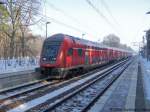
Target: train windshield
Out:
[50,51]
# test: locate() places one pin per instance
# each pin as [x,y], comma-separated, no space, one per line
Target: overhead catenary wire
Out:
[98,12]
[41,19]
[63,12]
[69,16]
[45,17]
[102,15]
[61,23]
[109,11]
[117,24]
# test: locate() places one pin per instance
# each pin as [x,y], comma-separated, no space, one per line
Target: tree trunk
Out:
[12,45]
[23,45]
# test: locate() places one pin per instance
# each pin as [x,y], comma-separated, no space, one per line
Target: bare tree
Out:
[111,40]
[114,41]
[30,9]
[20,14]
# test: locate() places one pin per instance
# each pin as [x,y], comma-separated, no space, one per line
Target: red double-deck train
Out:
[62,54]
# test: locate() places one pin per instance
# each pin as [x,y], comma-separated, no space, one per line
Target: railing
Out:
[18,64]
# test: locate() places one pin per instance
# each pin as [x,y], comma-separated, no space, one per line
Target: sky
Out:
[125,18]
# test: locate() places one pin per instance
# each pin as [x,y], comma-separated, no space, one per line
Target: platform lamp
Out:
[6,2]
[2,3]
[148,12]
[83,35]
[148,41]
[46,27]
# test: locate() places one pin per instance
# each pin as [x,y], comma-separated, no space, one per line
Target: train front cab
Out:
[52,56]
[69,57]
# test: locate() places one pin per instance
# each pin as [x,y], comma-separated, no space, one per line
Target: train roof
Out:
[56,37]
[60,37]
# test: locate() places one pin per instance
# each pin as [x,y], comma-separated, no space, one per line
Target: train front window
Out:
[50,51]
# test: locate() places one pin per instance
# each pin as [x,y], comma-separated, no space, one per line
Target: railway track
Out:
[83,98]
[23,90]
[22,86]
[13,92]
[47,97]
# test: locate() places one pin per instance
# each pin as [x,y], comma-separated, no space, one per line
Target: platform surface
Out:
[126,94]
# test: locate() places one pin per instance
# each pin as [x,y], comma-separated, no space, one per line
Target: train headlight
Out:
[44,59]
[54,59]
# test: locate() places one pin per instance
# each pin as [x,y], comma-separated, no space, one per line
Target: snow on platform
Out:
[35,102]
[146,78]
[18,64]
[121,96]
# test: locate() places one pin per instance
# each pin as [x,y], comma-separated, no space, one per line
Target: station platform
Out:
[16,79]
[127,94]
[145,66]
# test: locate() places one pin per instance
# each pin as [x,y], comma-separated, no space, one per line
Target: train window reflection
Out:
[70,52]
[80,52]
[50,50]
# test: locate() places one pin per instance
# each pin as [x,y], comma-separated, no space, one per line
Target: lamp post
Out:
[83,35]
[6,2]
[2,3]
[148,41]
[148,44]
[99,40]
[46,27]
[148,12]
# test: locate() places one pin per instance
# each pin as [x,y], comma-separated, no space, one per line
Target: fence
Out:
[18,64]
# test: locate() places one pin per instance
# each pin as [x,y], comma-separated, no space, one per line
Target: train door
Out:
[101,56]
[69,57]
[75,57]
[86,57]
[80,55]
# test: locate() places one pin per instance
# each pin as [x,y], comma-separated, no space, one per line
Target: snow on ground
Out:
[42,99]
[30,104]
[18,64]
[146,77]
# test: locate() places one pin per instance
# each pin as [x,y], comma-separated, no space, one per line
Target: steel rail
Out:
[70,95]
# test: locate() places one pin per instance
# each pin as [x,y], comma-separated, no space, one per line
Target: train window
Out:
[70,52]
[50,50]
[80,52]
